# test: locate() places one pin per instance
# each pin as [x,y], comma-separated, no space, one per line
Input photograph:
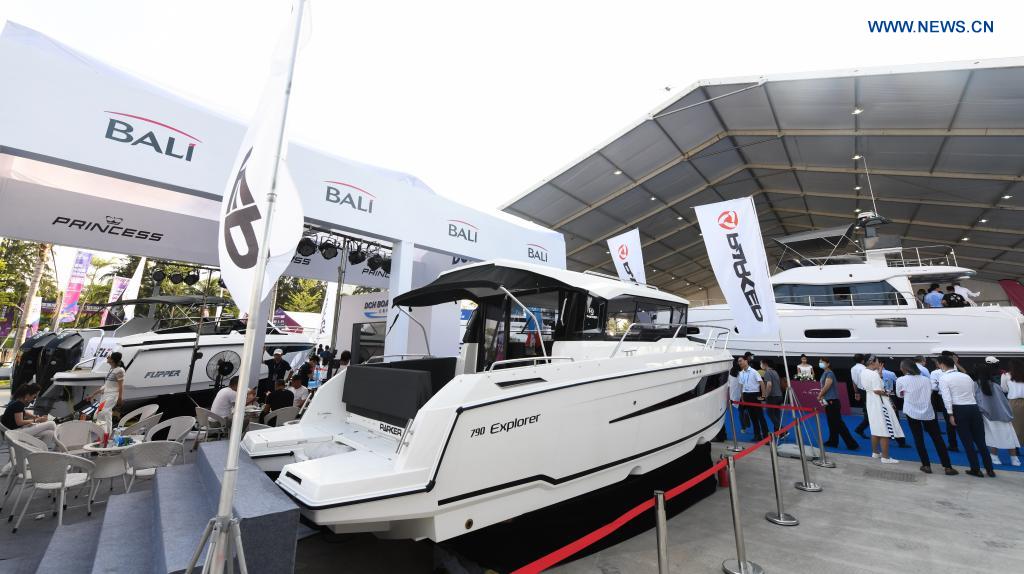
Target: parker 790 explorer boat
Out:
[599,383]
[864,300]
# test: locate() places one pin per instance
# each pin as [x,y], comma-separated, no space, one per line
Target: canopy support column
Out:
[397,340]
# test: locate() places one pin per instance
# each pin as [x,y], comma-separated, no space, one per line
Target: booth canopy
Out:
[476,282]
[943,143]
[178,300]
[93,157]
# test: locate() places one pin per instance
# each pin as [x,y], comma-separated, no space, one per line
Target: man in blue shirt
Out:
[934,297]
[753,392]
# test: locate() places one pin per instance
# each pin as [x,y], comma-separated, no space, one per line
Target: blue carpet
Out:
[909,454]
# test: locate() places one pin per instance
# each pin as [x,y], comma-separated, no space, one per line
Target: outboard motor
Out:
[27,362]
[61,353]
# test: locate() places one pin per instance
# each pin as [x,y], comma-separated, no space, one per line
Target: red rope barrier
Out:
[553,558]
[768,406]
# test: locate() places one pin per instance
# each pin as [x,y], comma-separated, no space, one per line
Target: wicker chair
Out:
[145,457]
[143,426]
[207,423]
[21,446]
[71,436]
[141,413]
[281,416]
[52,471]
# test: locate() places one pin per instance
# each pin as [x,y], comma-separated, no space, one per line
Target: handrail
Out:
[622,339]
[380,358]
[529,359]
[536,322]
[709,343]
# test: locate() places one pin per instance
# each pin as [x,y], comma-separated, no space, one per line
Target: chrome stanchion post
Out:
[662,531]
[732,424]
[740,565]
[779,517]
[822,459]
[806,485]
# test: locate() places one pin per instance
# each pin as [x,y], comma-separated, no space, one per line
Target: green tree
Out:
[303,295]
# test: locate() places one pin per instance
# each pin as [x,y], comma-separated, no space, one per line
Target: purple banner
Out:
[284,322]
[117,287]
[69,306]
[8,320]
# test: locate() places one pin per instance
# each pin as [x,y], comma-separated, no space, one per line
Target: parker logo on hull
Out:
[110,226]
[139,131]
[538,252]
[463,230]
[348,195]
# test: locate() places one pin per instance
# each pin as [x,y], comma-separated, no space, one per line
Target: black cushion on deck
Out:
[390,395]
[441,369]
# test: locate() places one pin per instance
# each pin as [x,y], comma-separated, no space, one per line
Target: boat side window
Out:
[653,318]
[854,294]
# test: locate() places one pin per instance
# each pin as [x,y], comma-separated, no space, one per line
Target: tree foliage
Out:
[303,295]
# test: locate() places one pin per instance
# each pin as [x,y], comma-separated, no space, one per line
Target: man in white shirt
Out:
[224,402]
[966,294]
[958,396]
[753,392]
[855,372]
[916,391]
[299,391]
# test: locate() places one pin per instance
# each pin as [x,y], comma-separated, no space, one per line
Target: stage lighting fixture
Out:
[386,265]
[329,249]
[177,277]
[192,278]
[375,261]
[306,247]
[159,275]
[357,256]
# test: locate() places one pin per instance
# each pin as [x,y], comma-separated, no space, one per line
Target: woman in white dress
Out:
[882,417]
[112,389]
[804,370]
[996,413]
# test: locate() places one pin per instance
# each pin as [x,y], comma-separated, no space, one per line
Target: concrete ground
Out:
[869,518]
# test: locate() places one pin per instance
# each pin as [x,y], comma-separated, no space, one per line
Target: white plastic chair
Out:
[21,446]
[208,423]
[281,416]
[52,471]
[143,412]
[143,426]
[71,436]
[108,467]
[144,458]
[178,429]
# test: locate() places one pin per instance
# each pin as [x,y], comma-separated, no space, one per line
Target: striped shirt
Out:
[916,391]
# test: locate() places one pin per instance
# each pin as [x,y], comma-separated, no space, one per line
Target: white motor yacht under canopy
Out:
[943,145]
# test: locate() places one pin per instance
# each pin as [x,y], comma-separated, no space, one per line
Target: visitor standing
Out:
[855,372]
[966,293]
[958,395]
[940,407]
[829,395]
[933,299]
[773,393]
[916,391]
[889,381]
[996,413]
[736,393]
[804,370]
[953,299]
[1014,388]
[753,392]
[881,416]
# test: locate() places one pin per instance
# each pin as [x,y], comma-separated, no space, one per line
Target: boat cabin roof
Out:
[866,272]
[481,280]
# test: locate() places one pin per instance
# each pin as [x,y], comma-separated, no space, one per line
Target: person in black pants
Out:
[753,392]
[958,395]
[773,393]
[915,391]
[940,407]
[829,393]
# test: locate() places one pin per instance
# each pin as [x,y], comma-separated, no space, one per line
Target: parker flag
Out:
[626,253]
[69,305]
[732,236]
[245,208]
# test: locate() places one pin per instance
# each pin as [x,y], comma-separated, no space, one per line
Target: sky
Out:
[483,100]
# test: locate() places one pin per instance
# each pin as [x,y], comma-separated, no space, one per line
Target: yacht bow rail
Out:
[533,360]
[709,343]
[380,358]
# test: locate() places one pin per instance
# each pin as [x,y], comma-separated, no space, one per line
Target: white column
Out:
[397,340]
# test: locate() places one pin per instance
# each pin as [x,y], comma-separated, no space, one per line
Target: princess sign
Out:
[732,236]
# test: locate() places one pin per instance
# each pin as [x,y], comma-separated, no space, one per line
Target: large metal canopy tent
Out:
[943,145]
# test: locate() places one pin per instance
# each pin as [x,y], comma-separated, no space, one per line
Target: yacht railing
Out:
[91,360]
[533,360]
[380,358]
[710,343]
[911,257]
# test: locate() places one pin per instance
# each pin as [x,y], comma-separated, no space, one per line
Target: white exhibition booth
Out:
[93,157]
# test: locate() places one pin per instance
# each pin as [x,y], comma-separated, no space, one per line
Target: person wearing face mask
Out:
[829,394]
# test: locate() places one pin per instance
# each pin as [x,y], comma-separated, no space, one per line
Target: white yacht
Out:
[866,301]
[598,384]
[157,352]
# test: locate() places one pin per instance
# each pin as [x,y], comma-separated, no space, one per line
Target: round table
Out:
[110,463]
[111,448]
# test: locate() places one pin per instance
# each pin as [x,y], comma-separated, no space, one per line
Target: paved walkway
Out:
[869,518]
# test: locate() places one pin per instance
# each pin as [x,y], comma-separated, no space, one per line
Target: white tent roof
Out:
[944,144]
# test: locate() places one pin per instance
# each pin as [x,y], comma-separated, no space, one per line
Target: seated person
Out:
[307,370]
[279,398]
[225,399]
[299,392]
[15,416]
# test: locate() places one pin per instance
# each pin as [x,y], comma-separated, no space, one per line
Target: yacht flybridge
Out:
[599,382]
[157,351]
[864,301]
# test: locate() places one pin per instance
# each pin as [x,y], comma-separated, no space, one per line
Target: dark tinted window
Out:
[854,294]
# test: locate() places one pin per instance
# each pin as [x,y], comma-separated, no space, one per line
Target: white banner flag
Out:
[628,258]
[732,236]
[244,210]
[132,290]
